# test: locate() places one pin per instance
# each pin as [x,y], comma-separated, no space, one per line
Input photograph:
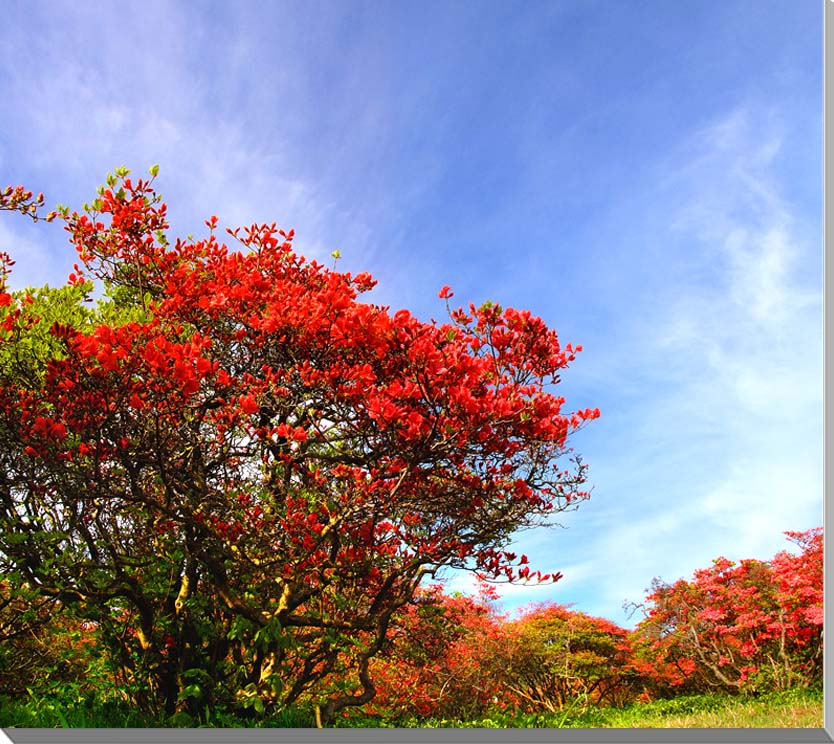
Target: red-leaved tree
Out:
[554,656]
[751,625]
[239,470]
[457,657]
[440,662]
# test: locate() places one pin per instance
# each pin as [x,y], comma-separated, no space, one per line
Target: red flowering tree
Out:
[456,657]
[553,656]
[799,581]
[441,658]
[751,625]
[239,471]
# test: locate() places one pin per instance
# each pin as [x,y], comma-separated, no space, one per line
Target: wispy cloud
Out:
[713,442]
[102,108]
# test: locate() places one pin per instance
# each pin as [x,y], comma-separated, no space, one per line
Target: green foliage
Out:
[68,706]
[75,705]
[27,350]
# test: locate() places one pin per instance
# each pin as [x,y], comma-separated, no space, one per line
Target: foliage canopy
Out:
[239,471]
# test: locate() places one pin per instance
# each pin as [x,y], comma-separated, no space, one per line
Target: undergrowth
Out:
[798,707]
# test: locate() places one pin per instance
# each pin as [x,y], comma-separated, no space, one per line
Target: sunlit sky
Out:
[645,176]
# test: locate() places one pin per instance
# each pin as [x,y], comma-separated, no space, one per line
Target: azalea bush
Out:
[745,626]
[457,657]
[554,656]
[238,471]
[440,661]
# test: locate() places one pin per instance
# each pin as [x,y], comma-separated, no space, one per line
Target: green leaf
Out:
[240,626]
[190,691]
[276,683]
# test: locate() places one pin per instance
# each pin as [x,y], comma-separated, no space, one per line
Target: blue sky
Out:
[645,176]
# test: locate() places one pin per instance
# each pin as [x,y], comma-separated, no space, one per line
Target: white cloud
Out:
[752,342]
[100,107]
[710,442]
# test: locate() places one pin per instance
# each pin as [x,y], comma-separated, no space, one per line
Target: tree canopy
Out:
[239,470]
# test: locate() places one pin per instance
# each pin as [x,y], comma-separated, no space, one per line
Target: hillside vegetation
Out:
[735,646]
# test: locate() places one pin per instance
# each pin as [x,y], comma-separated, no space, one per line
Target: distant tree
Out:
[554,656]
[440,659]
[457,657]
[751,625]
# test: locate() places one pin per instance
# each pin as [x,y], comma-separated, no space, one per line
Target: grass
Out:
[54,711]
[797,708]
[50,712]
[790,709]
[800,713]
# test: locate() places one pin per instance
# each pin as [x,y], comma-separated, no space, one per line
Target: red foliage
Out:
[457,657]
[750,625]
[439,661]
[278,461]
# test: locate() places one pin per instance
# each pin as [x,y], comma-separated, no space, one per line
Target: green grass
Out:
[797,708]
[54,711]
[791,709]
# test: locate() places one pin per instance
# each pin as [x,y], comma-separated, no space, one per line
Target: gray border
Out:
[105,736]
